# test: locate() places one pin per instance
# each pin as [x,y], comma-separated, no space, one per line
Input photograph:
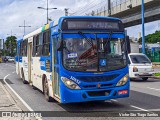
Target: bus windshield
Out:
[100,55]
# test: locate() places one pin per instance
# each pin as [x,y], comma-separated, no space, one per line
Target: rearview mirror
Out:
[60,45]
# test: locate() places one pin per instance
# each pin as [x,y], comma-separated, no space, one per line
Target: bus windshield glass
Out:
[98,55]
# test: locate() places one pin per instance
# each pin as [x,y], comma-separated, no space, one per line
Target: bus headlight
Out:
[69,83]
[123,80]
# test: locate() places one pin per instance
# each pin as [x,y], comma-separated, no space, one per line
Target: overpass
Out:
[130,11]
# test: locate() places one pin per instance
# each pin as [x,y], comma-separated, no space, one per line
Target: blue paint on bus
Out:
[94,73]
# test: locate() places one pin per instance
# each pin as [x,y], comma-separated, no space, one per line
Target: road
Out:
[144,96]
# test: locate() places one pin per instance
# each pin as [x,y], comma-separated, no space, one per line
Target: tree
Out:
[10,44]
[151,38]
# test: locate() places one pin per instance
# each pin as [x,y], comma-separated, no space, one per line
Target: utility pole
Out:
[47,10]
[109,7]
[66,11]
[24,26]
[92,13]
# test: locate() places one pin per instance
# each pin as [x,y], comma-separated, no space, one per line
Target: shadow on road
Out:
[149,80]
[93,106]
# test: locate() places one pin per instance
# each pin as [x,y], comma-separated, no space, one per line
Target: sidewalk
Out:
[8,103]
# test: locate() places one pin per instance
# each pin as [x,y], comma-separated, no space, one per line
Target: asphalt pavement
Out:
[144,96]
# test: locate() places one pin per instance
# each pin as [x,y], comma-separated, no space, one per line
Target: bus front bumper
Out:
[71,96]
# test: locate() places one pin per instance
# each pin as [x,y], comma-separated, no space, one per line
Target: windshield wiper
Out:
[89,41]
[64,46]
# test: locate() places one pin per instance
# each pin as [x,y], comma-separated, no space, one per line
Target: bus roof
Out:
[41,29]
[110,18]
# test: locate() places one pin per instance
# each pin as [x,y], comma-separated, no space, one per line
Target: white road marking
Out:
[29,108]
[138,108]
[153,89]
[114,100]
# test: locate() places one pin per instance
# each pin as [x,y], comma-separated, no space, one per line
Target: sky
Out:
[14,12]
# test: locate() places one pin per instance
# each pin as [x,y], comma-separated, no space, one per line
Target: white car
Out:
[140,66]
[11,59]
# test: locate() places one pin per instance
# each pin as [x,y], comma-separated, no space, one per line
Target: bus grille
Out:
[97,78]
[95,86]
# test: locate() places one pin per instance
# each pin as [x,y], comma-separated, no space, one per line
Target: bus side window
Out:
[36,46]
[46,43]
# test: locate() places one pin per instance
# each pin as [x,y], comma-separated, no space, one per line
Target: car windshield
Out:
[139,59]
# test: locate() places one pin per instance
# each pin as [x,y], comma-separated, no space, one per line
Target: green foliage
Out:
[157,74]
[10,44]
[151,38]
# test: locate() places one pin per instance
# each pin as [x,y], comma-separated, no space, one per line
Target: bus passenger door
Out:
[30,40]
[55,69]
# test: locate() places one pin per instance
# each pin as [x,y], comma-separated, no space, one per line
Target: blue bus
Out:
[78,59]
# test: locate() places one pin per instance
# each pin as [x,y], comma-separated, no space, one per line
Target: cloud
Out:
[14,12]
[150,28]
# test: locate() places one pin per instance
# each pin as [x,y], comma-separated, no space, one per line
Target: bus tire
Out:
[34,87]
[46,90]
[23,78]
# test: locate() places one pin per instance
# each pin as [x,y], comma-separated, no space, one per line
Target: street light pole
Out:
[47,10]
[143,29]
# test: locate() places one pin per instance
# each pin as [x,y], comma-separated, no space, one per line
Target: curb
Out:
[156,77]
[12,106]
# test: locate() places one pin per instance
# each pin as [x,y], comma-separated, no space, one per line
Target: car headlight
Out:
[135,69]
[123,81]
[69,83]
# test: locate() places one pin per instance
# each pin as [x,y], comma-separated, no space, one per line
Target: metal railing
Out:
[117,6]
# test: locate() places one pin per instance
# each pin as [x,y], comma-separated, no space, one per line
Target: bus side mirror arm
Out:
[60,45]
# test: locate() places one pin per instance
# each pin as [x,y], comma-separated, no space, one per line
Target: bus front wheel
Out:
[46,90]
